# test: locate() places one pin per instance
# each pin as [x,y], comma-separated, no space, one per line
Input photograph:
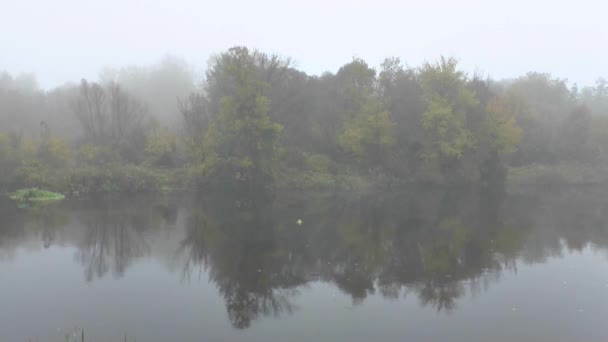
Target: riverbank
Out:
[132,179]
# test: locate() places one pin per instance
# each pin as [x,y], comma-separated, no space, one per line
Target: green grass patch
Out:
[32,196]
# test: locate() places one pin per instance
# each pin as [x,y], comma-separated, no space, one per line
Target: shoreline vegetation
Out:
[34,196]
[131,180]
[255,121]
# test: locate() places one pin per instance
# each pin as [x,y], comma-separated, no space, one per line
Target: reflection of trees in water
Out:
[235,240]
[114,235]
[429,245]
[440,294]
[109,234]
[436,244]
[18,225]
[109,239]
[12,230]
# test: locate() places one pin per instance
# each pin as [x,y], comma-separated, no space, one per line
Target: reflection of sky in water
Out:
[155,287]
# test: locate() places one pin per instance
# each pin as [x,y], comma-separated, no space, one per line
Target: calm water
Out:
[424,265]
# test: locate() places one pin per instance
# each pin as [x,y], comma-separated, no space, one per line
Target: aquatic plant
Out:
[27,197]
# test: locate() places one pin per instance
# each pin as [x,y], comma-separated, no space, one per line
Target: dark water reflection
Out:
[206,268]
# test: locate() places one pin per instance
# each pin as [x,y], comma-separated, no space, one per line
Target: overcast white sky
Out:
[66,40]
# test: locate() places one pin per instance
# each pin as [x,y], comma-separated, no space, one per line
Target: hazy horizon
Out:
[67,40]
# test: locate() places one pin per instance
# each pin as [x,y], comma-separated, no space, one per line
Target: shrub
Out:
[117,179]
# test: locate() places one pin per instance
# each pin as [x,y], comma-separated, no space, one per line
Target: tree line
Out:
[255,118]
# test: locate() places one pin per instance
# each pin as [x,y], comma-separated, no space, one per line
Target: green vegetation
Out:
[27,197]
[564,173]
[259,123]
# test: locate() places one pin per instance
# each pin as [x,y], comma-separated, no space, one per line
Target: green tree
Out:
[241,138]
[356,82]
[195,115]
[544,103]
[401,93]
[369,133]
[501,134]
[448,102]
[367,130]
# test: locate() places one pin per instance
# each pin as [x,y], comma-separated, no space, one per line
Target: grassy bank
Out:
[131,179]
[77,182]
[83,182]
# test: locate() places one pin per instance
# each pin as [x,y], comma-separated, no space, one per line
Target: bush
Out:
[31,175]
[117,179]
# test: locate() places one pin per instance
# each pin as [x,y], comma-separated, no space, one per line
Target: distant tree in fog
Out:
[109,116]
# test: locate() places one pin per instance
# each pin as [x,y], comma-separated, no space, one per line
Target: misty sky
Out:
[66,40]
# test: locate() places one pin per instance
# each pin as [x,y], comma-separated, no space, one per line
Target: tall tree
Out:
[196,117]
[111,117]
[241,138]
[367,131]
[448,103]
[403,97]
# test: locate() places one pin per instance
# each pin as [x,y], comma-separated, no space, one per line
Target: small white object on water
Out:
[513,309]
[580,310]
[299,222]
[259,271]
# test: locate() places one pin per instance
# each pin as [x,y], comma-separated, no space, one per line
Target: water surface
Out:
[427,264]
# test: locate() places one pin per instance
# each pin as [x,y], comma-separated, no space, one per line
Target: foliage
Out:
[195,114]
[369,133]
[242,139]
[95,155]
[9,157]
[26,197]
[161,145]
[116,179]
[255,115]
[31,174]
[500,128]
[448,102]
